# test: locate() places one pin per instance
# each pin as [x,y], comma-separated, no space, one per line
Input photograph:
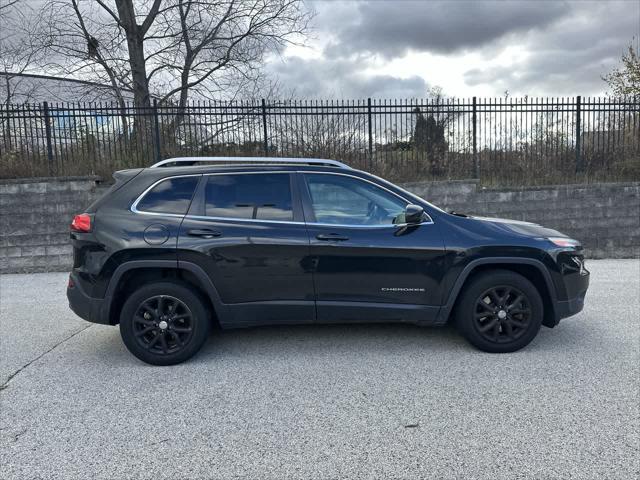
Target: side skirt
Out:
[242,315]
[373,312]
[251,314]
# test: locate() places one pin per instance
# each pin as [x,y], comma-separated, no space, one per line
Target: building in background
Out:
[21,88]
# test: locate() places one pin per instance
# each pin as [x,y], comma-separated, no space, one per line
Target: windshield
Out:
[408,194]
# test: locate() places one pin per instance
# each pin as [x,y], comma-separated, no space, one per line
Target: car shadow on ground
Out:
[299,341]
[288,339]
[304,341]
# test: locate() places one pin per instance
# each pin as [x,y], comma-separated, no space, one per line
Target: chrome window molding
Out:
[255,220]
[245,220]
[391,225]
[292,222]
[134,205]
[142,212]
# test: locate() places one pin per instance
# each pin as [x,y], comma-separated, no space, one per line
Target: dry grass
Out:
[497,168]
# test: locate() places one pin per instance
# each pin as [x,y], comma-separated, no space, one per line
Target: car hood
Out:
[518,227]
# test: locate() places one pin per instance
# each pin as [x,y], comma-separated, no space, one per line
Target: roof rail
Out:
[264,160]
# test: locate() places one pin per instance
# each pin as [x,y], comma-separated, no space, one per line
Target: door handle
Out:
[331,237]
[204,233]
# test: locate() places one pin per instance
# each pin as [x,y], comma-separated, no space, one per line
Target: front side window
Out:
[343,200]
[169,196]
[263,196]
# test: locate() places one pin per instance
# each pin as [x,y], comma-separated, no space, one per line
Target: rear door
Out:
[368,266]
[246,230]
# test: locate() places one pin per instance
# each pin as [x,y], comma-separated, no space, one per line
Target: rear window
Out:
[262,196]
[169,196]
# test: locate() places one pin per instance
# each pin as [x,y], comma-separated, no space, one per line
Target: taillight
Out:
[81,223]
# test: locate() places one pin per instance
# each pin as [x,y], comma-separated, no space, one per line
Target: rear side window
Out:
[169,196]
[262,196]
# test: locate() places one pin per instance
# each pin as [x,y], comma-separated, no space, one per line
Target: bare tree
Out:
[7,4]
[17,51]
[169,49]
[312,129]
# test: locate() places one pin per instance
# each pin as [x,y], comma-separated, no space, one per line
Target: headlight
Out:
[564,242]
[580,264]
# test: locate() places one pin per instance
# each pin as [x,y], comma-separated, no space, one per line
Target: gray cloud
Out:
[392,28]
[570,57]
[567,46]
[341,78]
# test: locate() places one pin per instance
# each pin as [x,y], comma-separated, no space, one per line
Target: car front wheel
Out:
[164,323]
[499,311]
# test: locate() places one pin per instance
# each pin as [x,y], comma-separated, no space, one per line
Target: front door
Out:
[246,232]
[368,266]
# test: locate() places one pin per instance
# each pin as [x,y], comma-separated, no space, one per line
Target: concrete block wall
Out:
[605,217]
[34,221]
[35,215]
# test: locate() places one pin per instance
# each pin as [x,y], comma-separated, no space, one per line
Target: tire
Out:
[164,323]
[499,311]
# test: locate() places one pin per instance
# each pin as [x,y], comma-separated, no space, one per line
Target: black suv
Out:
[189,243]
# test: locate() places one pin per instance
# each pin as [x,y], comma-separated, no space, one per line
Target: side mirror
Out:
[413,214]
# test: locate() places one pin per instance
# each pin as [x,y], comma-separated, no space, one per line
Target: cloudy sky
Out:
[393,49]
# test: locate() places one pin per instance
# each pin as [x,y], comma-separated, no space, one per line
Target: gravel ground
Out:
[366,401]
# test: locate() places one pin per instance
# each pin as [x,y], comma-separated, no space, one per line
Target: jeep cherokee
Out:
[188,243]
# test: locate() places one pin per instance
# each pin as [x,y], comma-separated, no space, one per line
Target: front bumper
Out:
[88,308]
[567,308]
[576,285]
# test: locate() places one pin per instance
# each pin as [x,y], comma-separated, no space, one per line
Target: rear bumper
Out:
[88,308]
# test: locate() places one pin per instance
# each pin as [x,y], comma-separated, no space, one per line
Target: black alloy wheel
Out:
[499,311]
[164,323]
[502,314]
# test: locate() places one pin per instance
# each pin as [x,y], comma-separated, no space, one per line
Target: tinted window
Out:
[169,196]
[264,196]
[338,199]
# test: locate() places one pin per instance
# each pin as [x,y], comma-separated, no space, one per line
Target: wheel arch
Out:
[130,275]
[532,269]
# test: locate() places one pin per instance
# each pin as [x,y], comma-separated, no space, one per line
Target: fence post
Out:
[474,119]
[264,128]
[370,134]
[579,165]
[7,129]
[156,131]
[47,131]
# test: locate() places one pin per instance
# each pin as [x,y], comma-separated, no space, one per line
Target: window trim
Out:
[134,205]
[344,225]
[199,190]
[296,197]
[245,220]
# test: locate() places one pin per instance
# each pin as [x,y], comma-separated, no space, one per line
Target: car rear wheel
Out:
[164,323]
[499,311]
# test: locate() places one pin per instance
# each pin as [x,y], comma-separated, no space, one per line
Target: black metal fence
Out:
[499,140]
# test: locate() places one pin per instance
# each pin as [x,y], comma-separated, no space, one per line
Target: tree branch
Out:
[110,12]
[150,17]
